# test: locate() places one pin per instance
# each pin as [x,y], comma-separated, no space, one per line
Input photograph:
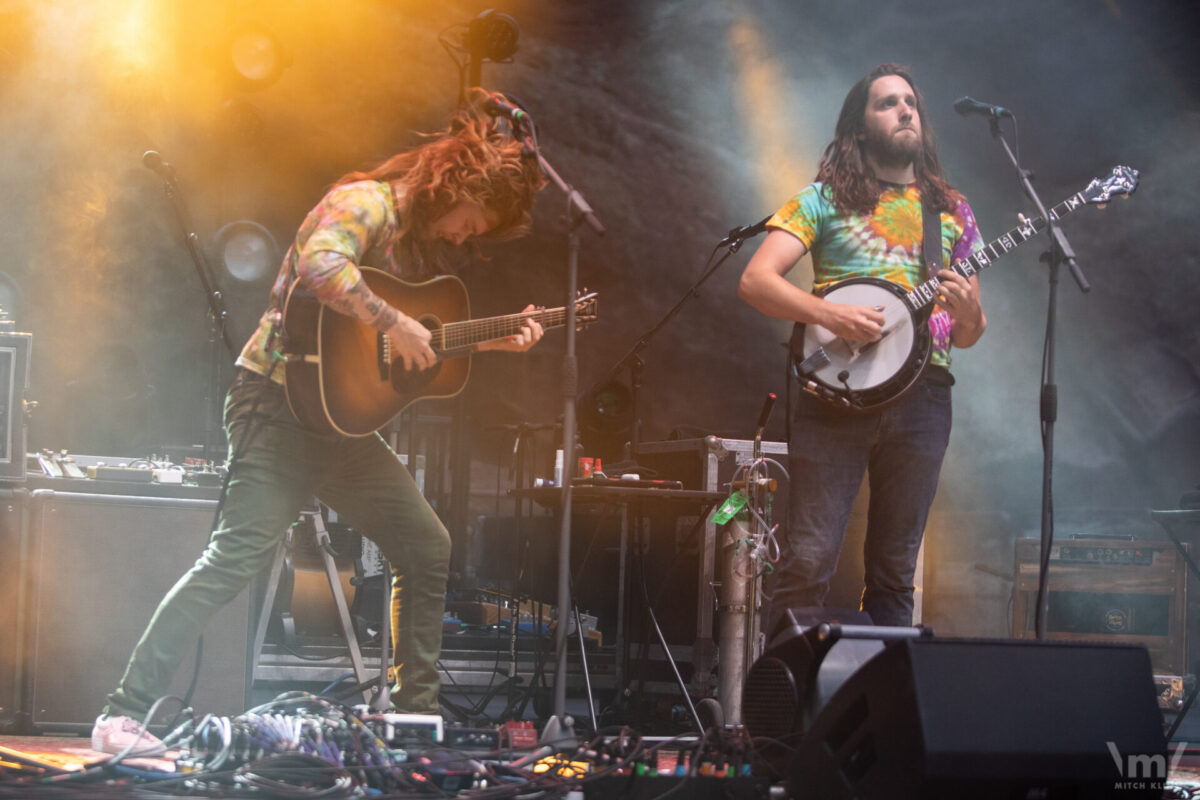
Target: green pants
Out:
[284,467]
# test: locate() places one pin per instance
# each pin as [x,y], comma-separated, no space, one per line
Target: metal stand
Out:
[738,598]
[633,361]
[1059,253]
[578,213]
[218,315]
[739,594]
[624,496]
[312,515]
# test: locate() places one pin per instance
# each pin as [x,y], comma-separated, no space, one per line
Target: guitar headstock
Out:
[586,308]
[1120,183]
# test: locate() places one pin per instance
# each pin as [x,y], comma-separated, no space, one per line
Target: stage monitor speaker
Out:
[953,718]
[797,674]
[790,681]
[98,567]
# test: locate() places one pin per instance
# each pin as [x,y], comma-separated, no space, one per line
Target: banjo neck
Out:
[982,258]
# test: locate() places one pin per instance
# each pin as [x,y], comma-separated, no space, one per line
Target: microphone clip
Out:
[738,236]
[735,238]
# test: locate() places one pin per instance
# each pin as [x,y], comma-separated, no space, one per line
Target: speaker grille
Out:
[99,566]
[770,699]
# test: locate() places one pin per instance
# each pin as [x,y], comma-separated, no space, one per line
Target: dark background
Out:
[677,121]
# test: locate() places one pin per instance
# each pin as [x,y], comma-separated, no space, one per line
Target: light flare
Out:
[783,145]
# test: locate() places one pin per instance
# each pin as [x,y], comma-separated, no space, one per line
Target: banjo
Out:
[868,376]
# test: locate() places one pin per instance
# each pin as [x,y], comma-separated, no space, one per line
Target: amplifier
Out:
[1110,590]
[95,569]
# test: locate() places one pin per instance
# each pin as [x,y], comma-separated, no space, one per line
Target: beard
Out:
[897,148]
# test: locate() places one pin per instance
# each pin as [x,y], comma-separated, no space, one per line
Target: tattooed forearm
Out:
[387,318]
[363,304]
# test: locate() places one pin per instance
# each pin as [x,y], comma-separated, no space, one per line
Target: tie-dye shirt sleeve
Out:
[886,244]
[335,237]
[352,225]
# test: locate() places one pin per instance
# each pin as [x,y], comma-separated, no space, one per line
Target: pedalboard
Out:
[415,731]
[404,731]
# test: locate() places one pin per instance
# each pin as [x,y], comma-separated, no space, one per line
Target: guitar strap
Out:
[933,263]
[932,233]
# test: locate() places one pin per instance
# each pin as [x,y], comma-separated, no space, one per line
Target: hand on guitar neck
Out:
[411,341]
[529,335]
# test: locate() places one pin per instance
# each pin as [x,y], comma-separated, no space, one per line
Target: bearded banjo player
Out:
[862,218]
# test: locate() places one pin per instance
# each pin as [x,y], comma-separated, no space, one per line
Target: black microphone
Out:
[498,108]
[967,105]
[764,415]
[154,161]
[745,232]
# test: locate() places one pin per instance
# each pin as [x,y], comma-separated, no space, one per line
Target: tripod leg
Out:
[339,599]
[264,614]
[587,675]
[662,640]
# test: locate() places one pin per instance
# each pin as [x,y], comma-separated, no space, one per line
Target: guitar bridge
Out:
[384,349]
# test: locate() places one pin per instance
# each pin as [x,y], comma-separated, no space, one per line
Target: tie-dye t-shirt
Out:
[351,226]
[886,244]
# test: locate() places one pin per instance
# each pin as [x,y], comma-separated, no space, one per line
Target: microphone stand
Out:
[578,211]
[633,360]
[218,315]
[1059,253]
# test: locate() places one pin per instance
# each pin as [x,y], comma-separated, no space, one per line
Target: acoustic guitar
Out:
[341,374]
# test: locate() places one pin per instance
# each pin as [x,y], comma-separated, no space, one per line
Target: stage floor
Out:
[74,753]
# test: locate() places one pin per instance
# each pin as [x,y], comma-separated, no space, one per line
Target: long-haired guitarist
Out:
[470,181]
[862,218]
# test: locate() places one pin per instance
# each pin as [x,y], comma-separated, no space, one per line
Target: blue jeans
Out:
[900,448]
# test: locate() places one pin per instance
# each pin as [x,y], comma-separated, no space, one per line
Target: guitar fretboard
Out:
[982,258]
[468,333]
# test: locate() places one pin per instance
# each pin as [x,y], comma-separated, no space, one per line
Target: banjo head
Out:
[865,367]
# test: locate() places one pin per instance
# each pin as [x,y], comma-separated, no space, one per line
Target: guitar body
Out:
[864,376]
[340,375]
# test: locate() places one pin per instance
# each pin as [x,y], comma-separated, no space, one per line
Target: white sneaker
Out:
[114,734]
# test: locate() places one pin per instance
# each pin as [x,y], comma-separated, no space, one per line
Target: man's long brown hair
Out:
[474,159]
[846,175]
